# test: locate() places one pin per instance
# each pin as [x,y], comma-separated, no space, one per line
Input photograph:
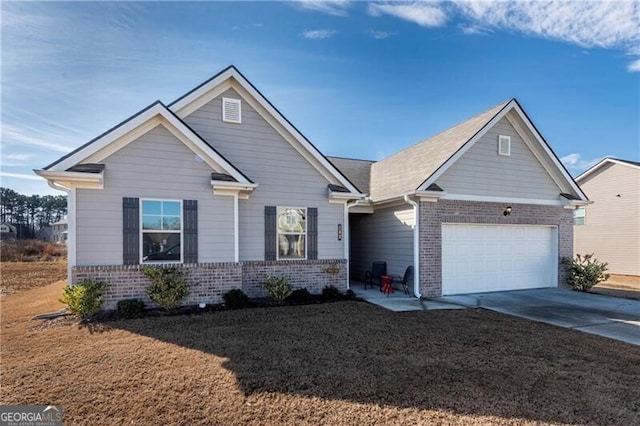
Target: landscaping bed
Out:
[335,363]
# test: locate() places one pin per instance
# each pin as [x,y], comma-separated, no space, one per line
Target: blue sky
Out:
[358,79]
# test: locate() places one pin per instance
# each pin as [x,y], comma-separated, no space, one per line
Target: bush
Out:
[85,298]
[30,251]
[278,288]
[585,272]
[236,299]
[130,308]
[168,285]
[300,295]
[329,292]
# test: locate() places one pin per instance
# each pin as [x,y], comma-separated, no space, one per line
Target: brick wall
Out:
[209,281]
[433,215]
[312,274]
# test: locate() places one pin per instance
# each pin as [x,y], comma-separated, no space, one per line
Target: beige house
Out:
[610,227]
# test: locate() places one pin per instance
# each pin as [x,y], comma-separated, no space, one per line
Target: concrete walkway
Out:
[610,317]
[398,301]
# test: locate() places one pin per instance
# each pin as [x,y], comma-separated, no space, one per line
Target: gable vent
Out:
[504,145]
[231,110]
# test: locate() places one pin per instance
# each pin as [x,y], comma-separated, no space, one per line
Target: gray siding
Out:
[386,235]
[612,225]
[482,172]
[156,165]
[285,178]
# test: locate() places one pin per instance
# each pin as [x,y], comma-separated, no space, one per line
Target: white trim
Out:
[345,237]
[512,105]
[172,231]
[121,136]
[444,167]
[71,235]
[416,246]
[483,198]
[594,168]
[73,179]
[210,90]
[226,102]
[549,153]
[236,230]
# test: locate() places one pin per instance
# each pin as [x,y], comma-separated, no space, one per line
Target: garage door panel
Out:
[481,258]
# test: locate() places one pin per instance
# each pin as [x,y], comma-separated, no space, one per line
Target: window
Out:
[504,145]
[292,232]
[161,231]
[579,216]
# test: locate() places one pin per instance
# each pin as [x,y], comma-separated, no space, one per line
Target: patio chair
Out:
[377,270]
[408,273]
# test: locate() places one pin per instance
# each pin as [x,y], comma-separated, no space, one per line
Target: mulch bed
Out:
[336,363]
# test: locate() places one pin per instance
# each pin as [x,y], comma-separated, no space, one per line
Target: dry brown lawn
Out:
[341,363]
[16,276]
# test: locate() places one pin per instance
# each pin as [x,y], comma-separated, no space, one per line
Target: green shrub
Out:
[300,295]
[168,285]
[85,298]
[329,292]
[130,308]
[278,287]
[585,272]
[236,299]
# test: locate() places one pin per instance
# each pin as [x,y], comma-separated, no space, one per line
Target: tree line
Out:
[28,213]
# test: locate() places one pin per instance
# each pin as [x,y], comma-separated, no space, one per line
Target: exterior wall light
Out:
[507,211]
[339,232]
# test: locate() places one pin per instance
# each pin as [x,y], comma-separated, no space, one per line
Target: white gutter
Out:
[416,246]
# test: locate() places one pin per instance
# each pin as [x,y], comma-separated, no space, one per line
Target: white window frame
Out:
[225,102]
[504,139]
[143,231]
[583,217]
[279,209]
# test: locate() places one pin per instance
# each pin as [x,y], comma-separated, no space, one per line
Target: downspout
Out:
[416,246]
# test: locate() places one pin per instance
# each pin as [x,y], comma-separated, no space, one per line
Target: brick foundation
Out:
[209,281]
[433,215]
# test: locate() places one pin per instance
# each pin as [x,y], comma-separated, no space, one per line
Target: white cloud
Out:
[575,163]
[13,135]
[381,35]
[318,34]
[20,176]
[331,7]
[634,66]
[604,24]
[474,29]
[422,13]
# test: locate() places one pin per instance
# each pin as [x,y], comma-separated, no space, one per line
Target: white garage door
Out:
[481,258]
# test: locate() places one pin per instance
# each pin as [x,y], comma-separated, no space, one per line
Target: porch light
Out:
[339,232]
[507,211]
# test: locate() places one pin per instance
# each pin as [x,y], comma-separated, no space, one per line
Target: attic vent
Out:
[504,145]
[231,110]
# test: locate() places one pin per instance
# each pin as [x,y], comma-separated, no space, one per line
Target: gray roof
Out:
[357,171]
[406,170]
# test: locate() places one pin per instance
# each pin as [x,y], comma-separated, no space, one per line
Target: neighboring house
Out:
[610,228]
[59,231]
[8,232]
[44,233]
[222,184]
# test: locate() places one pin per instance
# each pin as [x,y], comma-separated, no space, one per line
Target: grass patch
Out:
[17,276]
[339,363]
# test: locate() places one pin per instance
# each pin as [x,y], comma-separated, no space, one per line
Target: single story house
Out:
[610,228]
[8,232]
[222,184]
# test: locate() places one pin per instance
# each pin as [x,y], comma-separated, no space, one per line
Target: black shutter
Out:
[130,231]
[312,233]
[190,231]
[270,233]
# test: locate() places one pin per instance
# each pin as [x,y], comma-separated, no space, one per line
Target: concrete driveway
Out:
[596,314]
